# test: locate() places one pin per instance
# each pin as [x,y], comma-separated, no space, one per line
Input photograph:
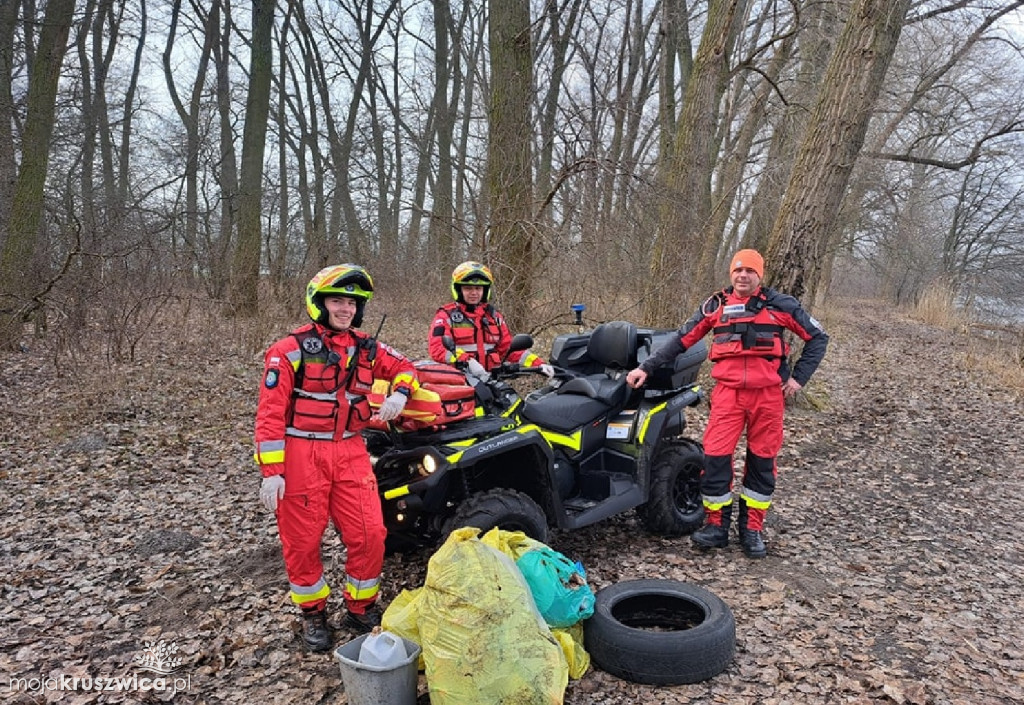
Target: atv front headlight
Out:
[426,465]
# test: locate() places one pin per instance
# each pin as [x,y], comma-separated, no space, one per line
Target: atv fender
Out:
[503,443]
[656,425]
[496,456]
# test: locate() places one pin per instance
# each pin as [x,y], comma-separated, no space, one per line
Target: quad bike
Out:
[578,450]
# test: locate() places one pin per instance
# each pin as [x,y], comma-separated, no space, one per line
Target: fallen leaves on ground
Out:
[893,571]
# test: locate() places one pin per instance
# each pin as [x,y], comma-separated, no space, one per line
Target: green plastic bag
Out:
[559,586]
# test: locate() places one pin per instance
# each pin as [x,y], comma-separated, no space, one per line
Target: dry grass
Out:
[937,307]
[997,352]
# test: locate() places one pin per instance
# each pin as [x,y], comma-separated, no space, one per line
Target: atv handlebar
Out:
[512,370]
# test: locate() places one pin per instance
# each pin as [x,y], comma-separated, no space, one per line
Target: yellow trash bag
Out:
[514,544]
[571,641]
[483,640]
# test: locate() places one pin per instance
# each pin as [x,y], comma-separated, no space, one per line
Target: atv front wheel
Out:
[503,508]
[675,506]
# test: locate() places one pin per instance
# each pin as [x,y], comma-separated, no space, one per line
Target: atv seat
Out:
[611,344]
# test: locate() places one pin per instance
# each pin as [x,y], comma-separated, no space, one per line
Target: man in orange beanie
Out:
[753,380]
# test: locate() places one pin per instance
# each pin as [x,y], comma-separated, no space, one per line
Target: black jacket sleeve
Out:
[809,329]
[673,347]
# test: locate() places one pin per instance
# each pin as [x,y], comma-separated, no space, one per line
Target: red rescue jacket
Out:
[479,331]
[748,345]
[315,386]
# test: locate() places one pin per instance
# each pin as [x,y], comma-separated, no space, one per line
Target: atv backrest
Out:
[576,352]
[613,345]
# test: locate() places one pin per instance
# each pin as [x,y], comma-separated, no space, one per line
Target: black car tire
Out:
[660,632]
[507,509]
[675,506]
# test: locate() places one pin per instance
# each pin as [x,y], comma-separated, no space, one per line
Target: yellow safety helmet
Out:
[349,280]
[471,274]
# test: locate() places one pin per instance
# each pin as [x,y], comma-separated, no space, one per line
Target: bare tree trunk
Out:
[277,250]
[687,177]
[387,223]
[736,150]
[189,116]
[441,234]
[128,112]
[27,205]
[835,135]
[322,237]
[463,202]
[90,83]
[509,181]
[107,21]
[816,39]
[560,31]
[675,49]
[425,141]
[8,166]
[220,266]
[343,209]
[246,264]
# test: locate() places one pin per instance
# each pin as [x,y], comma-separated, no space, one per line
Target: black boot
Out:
[316,633]
[365,622]
[750,541]
[714,535]
[752,544]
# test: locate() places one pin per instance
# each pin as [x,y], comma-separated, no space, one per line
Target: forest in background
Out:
[216,155]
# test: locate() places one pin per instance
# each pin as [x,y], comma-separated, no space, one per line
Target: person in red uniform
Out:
[478,329]
[753,380]
[312,404]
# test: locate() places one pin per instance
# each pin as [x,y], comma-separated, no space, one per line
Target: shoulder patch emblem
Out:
[270,381]
[312,345]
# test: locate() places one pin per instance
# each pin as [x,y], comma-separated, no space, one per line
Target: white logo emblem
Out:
[159,657]
[312,345]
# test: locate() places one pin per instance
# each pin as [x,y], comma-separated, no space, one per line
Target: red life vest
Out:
[331,385]
[746,330]
[479,332]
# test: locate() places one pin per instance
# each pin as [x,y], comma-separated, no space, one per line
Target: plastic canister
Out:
[383,649]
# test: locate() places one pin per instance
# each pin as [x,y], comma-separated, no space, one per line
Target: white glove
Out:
[392,406]
[477,370]
[547,370]
[271,491]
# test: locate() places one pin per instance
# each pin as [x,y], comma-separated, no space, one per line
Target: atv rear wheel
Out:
[503,508]
[675,506]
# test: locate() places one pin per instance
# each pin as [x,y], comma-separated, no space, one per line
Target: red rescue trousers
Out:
[330,479]
[759,410]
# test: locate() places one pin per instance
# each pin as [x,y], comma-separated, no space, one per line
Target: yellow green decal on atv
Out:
[647,420]
[453,459]
[396,492]
[514,408]
[575,441]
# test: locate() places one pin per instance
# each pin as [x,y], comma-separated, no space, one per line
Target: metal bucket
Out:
[367,684]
